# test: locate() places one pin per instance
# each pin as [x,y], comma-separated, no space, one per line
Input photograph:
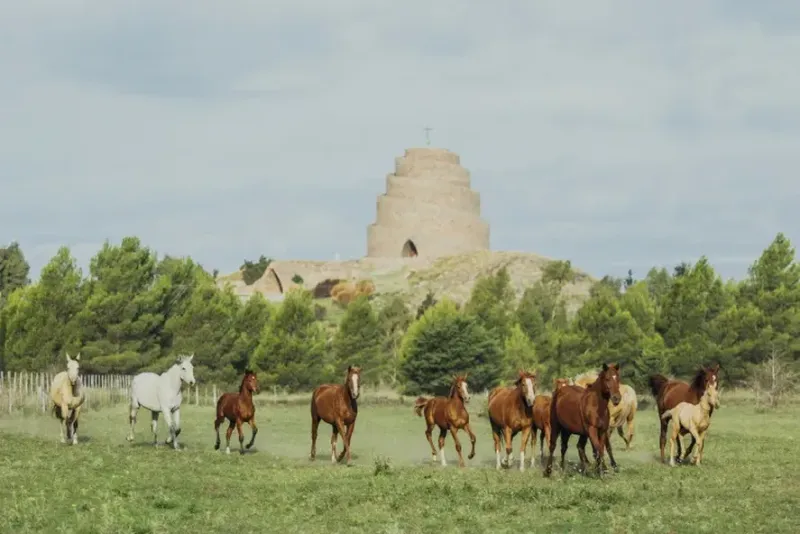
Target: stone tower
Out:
[428,210]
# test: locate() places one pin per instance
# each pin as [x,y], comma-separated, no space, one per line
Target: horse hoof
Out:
[227,450]
[216,446]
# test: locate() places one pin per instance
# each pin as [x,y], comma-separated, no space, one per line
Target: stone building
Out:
[428,210]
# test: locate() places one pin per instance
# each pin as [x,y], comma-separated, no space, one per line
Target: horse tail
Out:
[656,383]
[420,404]
[666,416]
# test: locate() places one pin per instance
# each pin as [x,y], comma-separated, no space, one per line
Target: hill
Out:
[412,278]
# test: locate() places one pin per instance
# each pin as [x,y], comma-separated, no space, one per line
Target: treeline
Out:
[134,311]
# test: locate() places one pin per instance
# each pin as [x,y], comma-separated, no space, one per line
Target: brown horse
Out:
[336,405]
[541,420]
[238,408]
[669,393]
[584,412]
[511,412]
[448,413]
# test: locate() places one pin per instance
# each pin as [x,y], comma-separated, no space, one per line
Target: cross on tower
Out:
[428,131]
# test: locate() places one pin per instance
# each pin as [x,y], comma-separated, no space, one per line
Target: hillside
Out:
[451,276]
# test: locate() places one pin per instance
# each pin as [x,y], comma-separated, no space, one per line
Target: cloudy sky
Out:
[618,134]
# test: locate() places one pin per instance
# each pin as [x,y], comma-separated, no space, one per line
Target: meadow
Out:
[747,483]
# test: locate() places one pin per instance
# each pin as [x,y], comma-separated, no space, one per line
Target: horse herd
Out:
[591,406]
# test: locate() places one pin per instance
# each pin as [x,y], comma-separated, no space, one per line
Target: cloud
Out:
[617,134]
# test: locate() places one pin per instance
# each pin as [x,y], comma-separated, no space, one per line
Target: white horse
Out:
[66,397]
[162,394]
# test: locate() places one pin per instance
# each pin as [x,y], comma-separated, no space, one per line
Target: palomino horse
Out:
[669,393]
[238,408]
[692,419]
[448,413]
[511,412]
[541,420]
[67,398]
[620,414]
[336,405]
[575,410]
[162,394]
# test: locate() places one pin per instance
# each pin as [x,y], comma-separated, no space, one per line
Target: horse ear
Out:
[605,366]
[78,357]
[191,358]
[68,358]
[349,368]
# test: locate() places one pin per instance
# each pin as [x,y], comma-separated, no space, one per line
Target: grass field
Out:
[748,482]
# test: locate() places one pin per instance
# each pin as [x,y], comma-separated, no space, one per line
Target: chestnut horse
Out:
[669,393]
[238,408]
[336,405]
[448,413]
[584,412]
[511,412]
[623,413]
[541,420]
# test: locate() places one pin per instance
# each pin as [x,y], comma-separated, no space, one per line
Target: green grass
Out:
[748,482]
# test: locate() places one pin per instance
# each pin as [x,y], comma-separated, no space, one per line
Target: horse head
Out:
[186,369]
[712,395]
[73,367]
[609,382]
[560,383]
[353,381]
[527,386]
[704,377]
[249,382]
[460,387]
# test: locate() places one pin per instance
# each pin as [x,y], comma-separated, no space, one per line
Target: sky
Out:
[616,134]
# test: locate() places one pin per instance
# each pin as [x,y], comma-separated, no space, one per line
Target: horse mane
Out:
[699,381]
[247,373]
[588,378]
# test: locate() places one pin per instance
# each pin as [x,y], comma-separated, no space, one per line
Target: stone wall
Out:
[428,203]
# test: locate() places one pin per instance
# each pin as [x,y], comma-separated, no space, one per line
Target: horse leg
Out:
[674,436]
[597,445]
[472,440]
[240,432]
[701,445]
[254,430]
[314,429]
[689,449]
[154,427]
[346,438]
[696,438]
[526,434]
[175,427]
[496,435]
[132,418]
[508,438]
[442,435]
[64,423]
[610,452]
[533,446]
[334,435]
[582,440]
[542,437]
[622,435]
[630,428]
[662,437]
[74,425]
[429,436]
[168,419]
[228,434]
[217,422]
[551,444]
[453,432]
[565,435]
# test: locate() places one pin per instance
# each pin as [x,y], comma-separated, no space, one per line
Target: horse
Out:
[694,419]
[669,393]
[238,408]
[336,405]
[511,412]
[575,410]
[162,394]
[448,413]
[621,414]
[67,397]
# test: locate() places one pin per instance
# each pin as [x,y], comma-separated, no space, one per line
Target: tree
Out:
[250,321]
[252,271]
[430,300]
[534,306]
[14,270]
[358,340]
[491,302]
[519,353]
[394,319]
[444,342]
[292,348]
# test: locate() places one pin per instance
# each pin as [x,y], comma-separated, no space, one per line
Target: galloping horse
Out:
[238,408]
[67,398]
[448,413]
[336,405]
[623,413]
[510,412]
[162,394]
[541,420]
[584,412]
[693,419]
[669,393]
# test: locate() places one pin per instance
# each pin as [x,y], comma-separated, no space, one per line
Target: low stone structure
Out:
[429,209]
